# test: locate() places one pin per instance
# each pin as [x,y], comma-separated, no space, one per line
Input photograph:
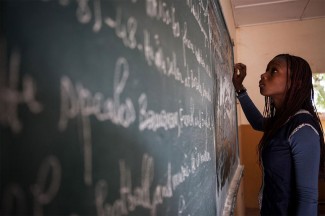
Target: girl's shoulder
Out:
[301,119]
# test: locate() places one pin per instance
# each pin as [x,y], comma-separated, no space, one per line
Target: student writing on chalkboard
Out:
[292,148]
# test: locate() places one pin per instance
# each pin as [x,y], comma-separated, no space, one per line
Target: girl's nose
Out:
[263,77]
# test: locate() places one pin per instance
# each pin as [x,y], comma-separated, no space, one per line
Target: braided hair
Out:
[299,75]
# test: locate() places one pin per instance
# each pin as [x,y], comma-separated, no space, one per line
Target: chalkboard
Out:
[115,108]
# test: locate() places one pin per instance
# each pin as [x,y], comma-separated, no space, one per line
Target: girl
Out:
[292,148]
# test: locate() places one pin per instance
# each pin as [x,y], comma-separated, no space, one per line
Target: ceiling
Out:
[256,12]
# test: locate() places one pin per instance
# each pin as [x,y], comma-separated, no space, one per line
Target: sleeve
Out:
[306,156]
[252,114]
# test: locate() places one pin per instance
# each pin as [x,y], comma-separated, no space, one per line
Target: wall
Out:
[255,47]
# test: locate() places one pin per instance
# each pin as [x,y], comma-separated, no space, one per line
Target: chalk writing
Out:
[197,159]
[11,97]
[196,83]
[98,16]
[155,55]
[14,200]
[46,187]
[198,10]
[168,66]
[41,195]
[133,198]
[181,205]
[187,43]
[126,32]
[77,100]
[225,112]
[140,196]
[225,146]
[83,11]
[63,2]
[159,10]
[151,120]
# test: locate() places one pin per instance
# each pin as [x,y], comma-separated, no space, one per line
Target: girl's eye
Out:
[273,71]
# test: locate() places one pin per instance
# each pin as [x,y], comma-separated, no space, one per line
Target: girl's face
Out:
[273,82]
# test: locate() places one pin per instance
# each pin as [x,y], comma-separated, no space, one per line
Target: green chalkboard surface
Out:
[115,108]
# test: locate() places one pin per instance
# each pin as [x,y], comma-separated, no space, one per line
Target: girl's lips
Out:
[261,84]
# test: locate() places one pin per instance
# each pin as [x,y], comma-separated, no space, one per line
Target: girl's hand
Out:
[239,76]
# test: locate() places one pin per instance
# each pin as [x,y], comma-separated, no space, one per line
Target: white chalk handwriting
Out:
[132,197]
[188,168]
[42,196]
[14,200]
[153,120]
[83,11]
[156,57]
[167,65]
[125,31]
[44,190]
[159,10]
[198,9]
[77,100]
[139,196]
[197,52]
[11,97]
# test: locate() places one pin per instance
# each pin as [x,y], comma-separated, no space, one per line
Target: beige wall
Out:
[257,45]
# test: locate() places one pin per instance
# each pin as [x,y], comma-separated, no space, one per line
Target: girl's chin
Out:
[262,92]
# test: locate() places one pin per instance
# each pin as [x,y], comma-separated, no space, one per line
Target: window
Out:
[319,93]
